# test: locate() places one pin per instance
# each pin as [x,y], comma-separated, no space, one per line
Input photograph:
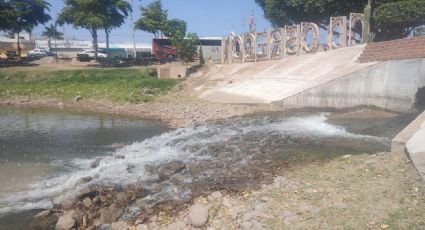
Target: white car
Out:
[37,53]
[91,54]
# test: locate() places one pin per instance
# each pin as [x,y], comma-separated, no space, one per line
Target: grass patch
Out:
[117,85]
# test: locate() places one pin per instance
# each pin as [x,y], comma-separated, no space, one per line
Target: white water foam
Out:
[167,147]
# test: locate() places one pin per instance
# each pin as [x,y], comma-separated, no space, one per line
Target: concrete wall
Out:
[173,72]
[390,85]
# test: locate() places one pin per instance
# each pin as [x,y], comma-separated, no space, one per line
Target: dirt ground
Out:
[178,108]
[381,191]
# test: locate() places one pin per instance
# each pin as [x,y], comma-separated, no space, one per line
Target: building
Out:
[8,44]
[69,48]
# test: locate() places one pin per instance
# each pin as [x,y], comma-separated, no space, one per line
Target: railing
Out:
[280,43]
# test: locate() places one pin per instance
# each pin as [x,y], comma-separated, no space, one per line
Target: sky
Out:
[205,17]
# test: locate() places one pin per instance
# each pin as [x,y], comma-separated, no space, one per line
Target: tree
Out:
[87,14]
[25,15]
[174,27]
[390,18]
[186,47]
[115,13]
[289,12]
[51,32]
[398,19]
[153,19]
[6,16]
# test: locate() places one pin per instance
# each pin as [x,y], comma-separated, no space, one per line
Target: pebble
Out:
[216,195]
[87,202]
[176,226]
[121,225]
[226,203]
[198,215]
[142,227]
[246,225]
[264,199]
[68,202]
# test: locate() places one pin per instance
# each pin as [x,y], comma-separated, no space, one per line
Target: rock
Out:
[60,104]
[96,200]
[109,214]
[176,226]
[169,169]
[43,214]
[234,213]
[78,98]
[226,203]
[66,221]
[142,227]
[198,215]
[385,226]
[121,197]
[149,91]
[257,225]
[83,180]
[247,217]
[68,202]
[95,163]
[86,192]
[279,182]
[246,225]
[91,227]
[121,225]
[264,199]
[103,199]
[87,202]
[216,195]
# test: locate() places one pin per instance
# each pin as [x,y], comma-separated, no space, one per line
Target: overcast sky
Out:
[205,17]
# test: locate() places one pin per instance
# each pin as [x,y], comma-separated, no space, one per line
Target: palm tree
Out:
[116,11]
[51,32]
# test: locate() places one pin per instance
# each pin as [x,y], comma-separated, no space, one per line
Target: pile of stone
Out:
[92,207]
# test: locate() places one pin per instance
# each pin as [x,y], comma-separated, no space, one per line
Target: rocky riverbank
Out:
[178,108]
[380,191]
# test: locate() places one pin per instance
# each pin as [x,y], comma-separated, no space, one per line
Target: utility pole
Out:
[252,22]
[133,34]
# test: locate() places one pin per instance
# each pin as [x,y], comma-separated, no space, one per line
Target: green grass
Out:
[117,85]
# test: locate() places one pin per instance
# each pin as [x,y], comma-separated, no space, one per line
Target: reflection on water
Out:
[35,144]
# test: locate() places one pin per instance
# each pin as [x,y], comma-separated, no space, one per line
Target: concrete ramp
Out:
[270,81]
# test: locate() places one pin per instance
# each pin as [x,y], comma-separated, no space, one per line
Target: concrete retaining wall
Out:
[412,142]
[390,85]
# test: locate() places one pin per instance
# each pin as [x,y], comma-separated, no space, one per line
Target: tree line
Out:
[390,19]
[17,16]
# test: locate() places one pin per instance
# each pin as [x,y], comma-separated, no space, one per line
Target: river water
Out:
[43,154]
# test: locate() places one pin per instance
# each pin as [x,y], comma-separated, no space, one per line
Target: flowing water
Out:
[45,154]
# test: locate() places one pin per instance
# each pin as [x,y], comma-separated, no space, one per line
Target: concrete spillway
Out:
[334,79]
[268,81]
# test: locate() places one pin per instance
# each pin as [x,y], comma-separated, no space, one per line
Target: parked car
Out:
[91,54]
[37,53]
